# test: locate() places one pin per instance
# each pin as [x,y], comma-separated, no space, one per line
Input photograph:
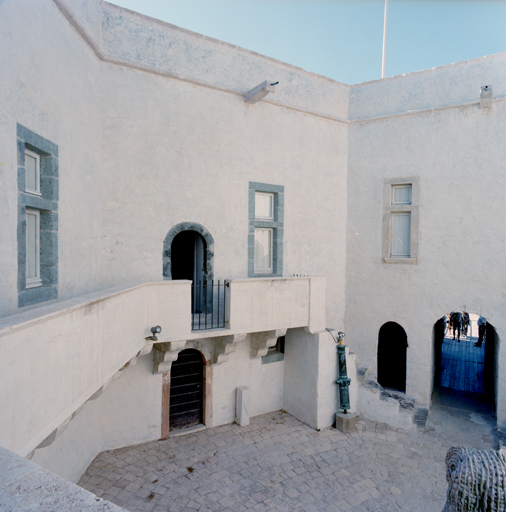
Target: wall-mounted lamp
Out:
[486,96]
[260,91]
[154,330]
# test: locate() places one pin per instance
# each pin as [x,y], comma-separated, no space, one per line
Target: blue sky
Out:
[342,39]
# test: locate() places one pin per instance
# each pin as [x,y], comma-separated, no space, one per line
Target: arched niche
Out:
[392,355]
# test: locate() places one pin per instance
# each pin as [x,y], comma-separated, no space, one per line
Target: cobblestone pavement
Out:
[279,464]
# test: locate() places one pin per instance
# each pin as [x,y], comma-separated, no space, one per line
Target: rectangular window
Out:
[265,236]
[401,235]
[401,194]
[32,172]
[264,206]
[37,230]
[263,250]
[400,220]
[33,249]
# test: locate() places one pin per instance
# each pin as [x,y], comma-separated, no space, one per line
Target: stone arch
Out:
[392,356]
[195,346]
[169,238]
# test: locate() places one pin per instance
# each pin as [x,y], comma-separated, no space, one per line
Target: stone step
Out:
[387,405]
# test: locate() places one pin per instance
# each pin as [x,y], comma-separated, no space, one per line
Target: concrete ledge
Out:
[25,486]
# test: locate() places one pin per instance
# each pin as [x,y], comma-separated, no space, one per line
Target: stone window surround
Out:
[47,205]
[389,208]
[276,225]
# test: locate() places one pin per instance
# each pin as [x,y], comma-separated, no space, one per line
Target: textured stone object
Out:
[476,480]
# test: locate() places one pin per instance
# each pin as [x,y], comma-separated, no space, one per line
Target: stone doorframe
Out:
[207,402]
[167,247]
[216,352]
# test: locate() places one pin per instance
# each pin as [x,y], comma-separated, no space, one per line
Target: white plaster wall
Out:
[311,393]
[146,43]
[176,153]
[51,85]
[301,376]
[265,382]
[458,155]
[127,413]
[435,88]
[52,364]
[140,152]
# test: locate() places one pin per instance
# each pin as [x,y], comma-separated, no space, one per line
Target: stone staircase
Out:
[387,405]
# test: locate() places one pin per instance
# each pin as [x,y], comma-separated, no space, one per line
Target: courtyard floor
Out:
[279,464]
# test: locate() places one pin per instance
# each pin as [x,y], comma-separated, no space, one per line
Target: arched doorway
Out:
[464,359]
[392,351]
[186,390]
[188,253]
[188,262]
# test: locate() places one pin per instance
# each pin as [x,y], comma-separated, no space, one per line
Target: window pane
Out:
[263,250]
[31,172]
[32,235]
[401,194]
[401,235]
[264,206]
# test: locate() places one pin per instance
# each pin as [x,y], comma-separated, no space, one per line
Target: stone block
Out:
[242,406]
[346,422]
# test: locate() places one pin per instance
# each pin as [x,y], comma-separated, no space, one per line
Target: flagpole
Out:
[384,39]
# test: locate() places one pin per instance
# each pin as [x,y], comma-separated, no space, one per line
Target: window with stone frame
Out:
[400,220]
[37,231]
[265,238]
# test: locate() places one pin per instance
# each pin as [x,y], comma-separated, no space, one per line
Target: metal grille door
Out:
[186,390]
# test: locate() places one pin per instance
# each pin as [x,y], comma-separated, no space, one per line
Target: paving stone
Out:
[279,464]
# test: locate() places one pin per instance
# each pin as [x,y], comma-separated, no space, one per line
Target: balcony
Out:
[276,303]
[253,305]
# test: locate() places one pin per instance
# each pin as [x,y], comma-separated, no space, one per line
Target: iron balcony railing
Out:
[208,305]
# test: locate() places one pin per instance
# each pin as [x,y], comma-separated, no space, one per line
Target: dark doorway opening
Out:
[186,390]
[465,366]
[392,351]
[188,261]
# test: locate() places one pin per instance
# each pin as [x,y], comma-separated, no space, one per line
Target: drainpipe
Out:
[343,381]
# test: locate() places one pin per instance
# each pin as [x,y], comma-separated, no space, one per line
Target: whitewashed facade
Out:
[143,131]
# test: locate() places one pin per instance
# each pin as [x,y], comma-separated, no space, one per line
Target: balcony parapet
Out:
[88,340]
[266,304]
[85,341]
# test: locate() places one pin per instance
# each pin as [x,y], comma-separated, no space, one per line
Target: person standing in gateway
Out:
[482,328]
[457,324]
